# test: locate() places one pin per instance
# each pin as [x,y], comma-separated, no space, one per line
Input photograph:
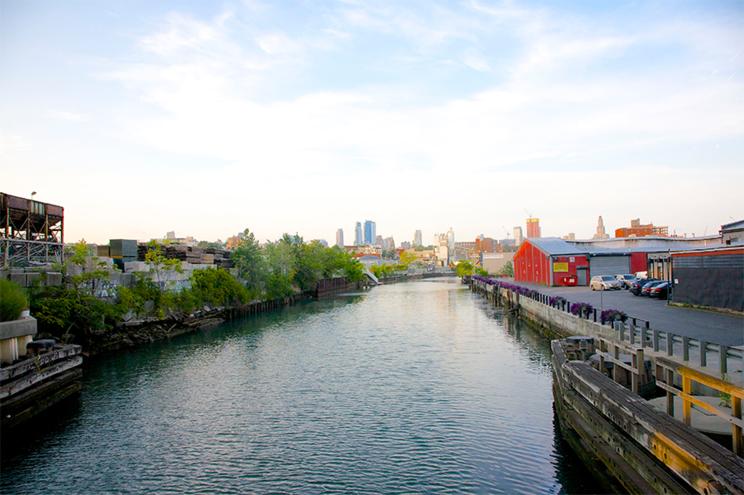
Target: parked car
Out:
[625,280]
[604,282]
[642,275]
[660,291]
[650,285]
[637,286]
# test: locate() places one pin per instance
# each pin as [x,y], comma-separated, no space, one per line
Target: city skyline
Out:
[274,116]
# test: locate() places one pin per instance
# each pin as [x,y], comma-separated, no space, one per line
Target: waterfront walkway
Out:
[718,328]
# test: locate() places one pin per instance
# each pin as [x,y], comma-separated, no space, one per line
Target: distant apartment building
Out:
[518,237]
[637,229]
[533,228]
[358,239]
[379,241]
[571,236]
[600,232]
[405,245]
[417,239]
[485,245]
[340,237]
[370,232]
[441,249]
[465,250]
[388,244]
[507,245]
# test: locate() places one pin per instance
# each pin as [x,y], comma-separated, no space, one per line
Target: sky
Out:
[142,117]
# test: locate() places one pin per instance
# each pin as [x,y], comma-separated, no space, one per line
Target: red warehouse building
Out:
[552,261]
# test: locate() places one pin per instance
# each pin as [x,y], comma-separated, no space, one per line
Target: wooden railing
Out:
[692,360]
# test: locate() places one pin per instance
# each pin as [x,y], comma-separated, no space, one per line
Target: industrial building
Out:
[552,261]
[31,232]
[710,277]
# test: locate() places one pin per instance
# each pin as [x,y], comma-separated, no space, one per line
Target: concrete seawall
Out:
[553,322]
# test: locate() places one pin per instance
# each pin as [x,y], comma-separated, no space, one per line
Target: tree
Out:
[251,263]
[216,287]
[508,269]
[464,269]
[159,264]
[406,258]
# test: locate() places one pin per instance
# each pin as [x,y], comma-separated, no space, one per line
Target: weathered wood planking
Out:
[27,381]
[703,464]
[34,363]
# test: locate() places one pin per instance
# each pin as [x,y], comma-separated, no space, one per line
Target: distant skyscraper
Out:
[417,242]
[340,237]
[370,232]
[533,228]
[451,243]
[358,239]
[379,241]
[518,236]
[601,233]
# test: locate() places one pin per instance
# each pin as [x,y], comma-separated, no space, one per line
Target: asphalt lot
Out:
[711,326]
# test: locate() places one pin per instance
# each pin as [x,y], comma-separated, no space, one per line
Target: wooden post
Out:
[703,354]
[670,395]
[635,374]
[615,367]
[686,404]
[643,337]
[622,333]
[736,441]
[722,360]
[655,339]
[670,343]
[641,367]
[685,348]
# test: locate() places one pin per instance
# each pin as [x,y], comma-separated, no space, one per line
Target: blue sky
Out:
[206,118]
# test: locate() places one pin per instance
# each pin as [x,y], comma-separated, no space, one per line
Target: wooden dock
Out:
[605,419]
[35,384]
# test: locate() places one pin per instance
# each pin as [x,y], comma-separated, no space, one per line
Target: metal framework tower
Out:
[31,232]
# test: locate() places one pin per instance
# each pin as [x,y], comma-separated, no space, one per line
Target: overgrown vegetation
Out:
[464,269]
[77,310]
[12,300]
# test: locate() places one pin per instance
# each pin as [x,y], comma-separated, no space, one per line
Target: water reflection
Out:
[413,387]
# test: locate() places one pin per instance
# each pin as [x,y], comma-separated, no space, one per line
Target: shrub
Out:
[581,309]
[216,287]
[12,300]
[610,315]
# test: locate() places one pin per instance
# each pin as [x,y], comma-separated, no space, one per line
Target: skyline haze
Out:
[210,118]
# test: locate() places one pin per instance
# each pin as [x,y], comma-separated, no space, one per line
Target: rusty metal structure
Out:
[31,232]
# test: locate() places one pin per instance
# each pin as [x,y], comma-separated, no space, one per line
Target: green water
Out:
[409,388]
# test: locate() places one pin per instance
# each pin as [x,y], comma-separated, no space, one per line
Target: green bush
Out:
[12,300]
[216,287]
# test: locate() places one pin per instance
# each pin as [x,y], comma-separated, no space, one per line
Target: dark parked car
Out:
[650,285]
[637,286]
[660,291]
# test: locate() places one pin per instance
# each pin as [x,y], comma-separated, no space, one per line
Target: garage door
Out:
[609,265]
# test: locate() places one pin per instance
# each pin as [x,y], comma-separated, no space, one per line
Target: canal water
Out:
[408,388]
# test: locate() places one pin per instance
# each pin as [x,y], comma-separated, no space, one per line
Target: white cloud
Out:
[196,94]
[277,44]
[67,116]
